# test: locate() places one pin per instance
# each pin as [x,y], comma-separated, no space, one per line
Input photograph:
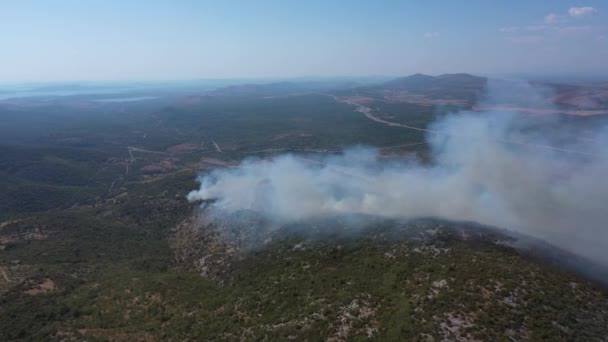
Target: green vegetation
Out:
[292,122]
[92,200]
[347,287]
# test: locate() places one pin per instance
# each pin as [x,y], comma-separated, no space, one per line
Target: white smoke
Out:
[493,168]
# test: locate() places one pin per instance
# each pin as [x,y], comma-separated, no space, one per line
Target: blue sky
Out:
[178,39]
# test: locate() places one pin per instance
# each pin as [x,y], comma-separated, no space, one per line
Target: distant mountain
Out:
[412,82]
[282,88]
[420,82]
[464,88]
[448,86]
[269,89]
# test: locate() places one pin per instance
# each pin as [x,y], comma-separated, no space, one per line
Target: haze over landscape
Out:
[277,170]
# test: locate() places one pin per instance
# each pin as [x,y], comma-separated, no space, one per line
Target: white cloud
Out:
[575,29]
[554,23]
[431,34]
[536,28]
[553,18]
[509,29]
[580,12]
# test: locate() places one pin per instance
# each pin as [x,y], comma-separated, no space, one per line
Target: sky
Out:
[112,40]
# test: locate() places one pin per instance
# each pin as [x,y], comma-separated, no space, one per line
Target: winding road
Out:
[368,113]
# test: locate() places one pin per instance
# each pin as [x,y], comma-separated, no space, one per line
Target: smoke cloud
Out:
[494,168]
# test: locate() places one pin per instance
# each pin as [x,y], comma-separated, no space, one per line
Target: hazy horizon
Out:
[547,77]
[111,41]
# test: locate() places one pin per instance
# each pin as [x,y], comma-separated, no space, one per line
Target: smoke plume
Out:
[534,176]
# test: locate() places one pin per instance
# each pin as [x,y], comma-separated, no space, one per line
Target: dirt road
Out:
[217,147]
[368,112]
[4,275]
